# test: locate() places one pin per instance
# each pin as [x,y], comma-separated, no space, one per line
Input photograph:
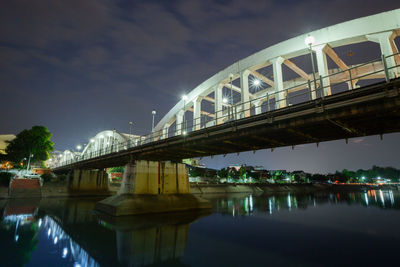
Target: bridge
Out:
[295,92]
[249,106]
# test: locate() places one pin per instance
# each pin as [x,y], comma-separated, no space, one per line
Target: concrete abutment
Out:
[152,187]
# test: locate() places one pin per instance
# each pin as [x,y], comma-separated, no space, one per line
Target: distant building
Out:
[3,142]
[191,162]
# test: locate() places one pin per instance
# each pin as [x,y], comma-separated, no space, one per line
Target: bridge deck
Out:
[365,111]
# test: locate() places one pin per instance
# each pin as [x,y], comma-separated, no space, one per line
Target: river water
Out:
[315,229]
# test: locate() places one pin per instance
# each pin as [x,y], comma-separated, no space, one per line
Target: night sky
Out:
[80,67]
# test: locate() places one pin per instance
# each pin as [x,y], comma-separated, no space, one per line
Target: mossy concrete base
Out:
[129,204]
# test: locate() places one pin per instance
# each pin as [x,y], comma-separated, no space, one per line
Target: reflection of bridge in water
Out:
[274,98]
[80,237]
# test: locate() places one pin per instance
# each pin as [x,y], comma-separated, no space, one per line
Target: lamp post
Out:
[130,132]
[230,78]
[29,161]
[152,124]
[309,41]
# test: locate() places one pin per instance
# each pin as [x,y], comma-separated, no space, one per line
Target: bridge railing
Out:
[367,73]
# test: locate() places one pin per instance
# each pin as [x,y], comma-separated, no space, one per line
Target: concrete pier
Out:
[88,180]
[153,187]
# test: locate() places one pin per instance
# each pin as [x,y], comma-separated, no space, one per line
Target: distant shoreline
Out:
[61,191]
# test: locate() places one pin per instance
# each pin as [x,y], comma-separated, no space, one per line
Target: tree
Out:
[35,141]
[223,173]
[116,169]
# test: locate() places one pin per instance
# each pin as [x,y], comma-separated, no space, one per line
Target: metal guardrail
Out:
[288,97]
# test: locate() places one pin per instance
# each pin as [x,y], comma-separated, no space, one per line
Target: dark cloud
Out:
[79,67]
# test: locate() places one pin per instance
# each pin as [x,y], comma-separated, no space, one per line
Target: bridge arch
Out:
[109,141]
[381,29]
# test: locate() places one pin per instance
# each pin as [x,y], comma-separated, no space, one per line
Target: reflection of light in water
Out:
[65,253]
[366,198]
[382,199]
[251,203]
[270,205]
[289,202]
[391,197]
[66,244]
[246,205]
[40,222]
[19,219]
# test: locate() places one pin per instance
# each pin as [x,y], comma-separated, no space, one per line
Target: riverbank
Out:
[60,190]
[271,188]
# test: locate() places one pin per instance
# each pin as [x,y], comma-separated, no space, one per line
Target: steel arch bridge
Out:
[272,79]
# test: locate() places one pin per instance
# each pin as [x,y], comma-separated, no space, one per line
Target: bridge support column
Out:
[88,180]
[245,98]
[323,70]
[179,122]
[128,179]
[197,113]
[152,187]
[280,95]
[218,103]
[385,43]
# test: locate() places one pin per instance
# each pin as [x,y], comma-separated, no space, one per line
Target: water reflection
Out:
[67,248]
[247,205]
[68,232]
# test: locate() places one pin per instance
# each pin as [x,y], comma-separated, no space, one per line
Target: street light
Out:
[152,124]
[310,41]
[78,147]
[231,77]
[224,100]
[29,161]
[130,132]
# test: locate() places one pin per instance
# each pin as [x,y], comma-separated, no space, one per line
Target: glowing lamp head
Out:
[78,147]
[225,100]
[184,133]
[310,40]
[92,140]
[256,82]
[184,97]
[153,112]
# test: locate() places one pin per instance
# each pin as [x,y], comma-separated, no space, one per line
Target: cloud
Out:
[136,55]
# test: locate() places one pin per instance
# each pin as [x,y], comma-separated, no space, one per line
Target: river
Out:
[314,229]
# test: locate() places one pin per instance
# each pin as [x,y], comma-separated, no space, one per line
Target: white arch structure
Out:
[381,29]
[102,143]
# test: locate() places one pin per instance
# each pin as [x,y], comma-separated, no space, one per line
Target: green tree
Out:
[116,169]
[35,141]
[242,172]
[222,173]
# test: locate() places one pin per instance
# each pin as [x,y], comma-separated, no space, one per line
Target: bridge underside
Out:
[366,111]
